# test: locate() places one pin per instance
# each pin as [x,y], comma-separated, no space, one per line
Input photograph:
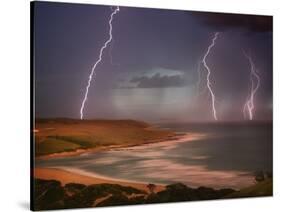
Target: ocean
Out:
[218,155]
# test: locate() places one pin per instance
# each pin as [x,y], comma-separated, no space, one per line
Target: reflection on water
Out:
[215,155]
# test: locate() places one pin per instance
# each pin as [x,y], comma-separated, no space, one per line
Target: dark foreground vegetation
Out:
[50,194]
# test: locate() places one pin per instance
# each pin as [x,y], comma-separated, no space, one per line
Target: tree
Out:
[151,188]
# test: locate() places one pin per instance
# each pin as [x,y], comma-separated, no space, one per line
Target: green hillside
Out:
[59,135]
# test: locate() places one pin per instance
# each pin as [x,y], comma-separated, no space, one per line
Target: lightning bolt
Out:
[208,83]
[114,12]
[249,105]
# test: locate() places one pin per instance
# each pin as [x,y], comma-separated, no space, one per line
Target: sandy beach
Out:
[69,177]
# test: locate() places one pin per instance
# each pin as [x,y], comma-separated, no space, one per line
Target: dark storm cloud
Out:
[159,81]
[223,21]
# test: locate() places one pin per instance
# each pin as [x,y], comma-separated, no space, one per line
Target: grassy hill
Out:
[60,135]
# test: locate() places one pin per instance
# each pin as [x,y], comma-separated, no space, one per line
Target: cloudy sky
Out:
[150,70]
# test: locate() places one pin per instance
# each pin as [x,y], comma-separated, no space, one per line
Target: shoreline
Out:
[174,138]
[71,176]
[65,176]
